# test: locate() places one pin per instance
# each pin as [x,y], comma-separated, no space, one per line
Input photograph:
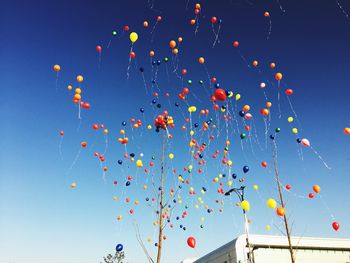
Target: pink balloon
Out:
[305,142]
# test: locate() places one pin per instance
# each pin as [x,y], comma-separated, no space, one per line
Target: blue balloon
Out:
[119,247]
[234,176]
[124,123]
[142,110]
[241,113]
[245,169]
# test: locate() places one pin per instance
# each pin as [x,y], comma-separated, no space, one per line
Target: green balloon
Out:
[278,129]
[114,33]
[243,135]
[226,149]
[201,82]
[189,82]
[166,59]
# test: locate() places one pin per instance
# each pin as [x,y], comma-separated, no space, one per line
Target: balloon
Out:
[268,227]
[311,195]
[335,226]
[290,119]
[192,109]
[126,28]
[272,65]
[278,76]
[84,144]
[98,48]
[139,163]
[201,60]
[255,63]
[56,67]
[238,97]
[280,211]
[159,18]
[347,131]
[255,187]
[119,248]
[288,187]
[266,14]
[305,142]
[316,188]
[133,37]
[289,92]
[61,133]
[220,94]
[73,185]
[236,44]
[271,203]
[295,130]
[172,44]
[145,24]
[262,85]
[171,156]
[80,78]
[245,169]
[245,205]
[214,20]
[264,164]
[191,242]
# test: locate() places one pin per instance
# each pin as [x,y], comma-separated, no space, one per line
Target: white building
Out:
[275,249]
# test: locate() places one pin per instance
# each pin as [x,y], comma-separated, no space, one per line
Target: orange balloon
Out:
[266,14]
[83,144]
[272,65]
[175,51]
[246,108]
[201,60]
[198,6]
[179,39]
[268,104]
[56,68]
[151,53]
[316,188]
[80,78]
[278,76]
[192,22]
[347,131]
[255,63]
[280,211]
[77,96]
[145,24]
[172,44]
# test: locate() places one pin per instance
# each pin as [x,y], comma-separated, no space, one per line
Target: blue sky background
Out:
[41,217]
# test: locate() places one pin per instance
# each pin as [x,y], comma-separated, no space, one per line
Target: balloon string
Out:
[320,157]
[295,114]
[79,111]
[280,6]
[127,72]
[56,85]
[270,29]
[60,148]
[278,98]
[109,43]
[216,36]
[144,82]
[343,10]
[197,25]
[74,162]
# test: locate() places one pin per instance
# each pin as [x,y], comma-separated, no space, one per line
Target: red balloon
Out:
[184,71]
[159,18]
[288,187]
[95,126]
[214,20]
[311,195]
[264,164]
[236,44]
[98,48]
[191,242]
[61,133]
[186,91]
[126,28]
[132,54]
[213,80]
[220,94]
[289,92]
[335,226]
[86,105]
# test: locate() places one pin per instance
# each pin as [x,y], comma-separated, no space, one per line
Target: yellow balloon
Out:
[256,187]
[191,133]
[73,185]
[268,227]
[133,37]
[190,167]
[216,179]
[230,94]
[229,183]
[77,91]
[271,203]
[192,109]
[229,163]
[290,119]
[115,198]
[139,163]
[80,78]
[149,127]
[238,96]
[295,130]
[145,187]
[105,131]
[196,206]
[245,205]
[171,155]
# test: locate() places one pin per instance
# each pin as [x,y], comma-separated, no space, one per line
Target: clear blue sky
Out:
[41,217]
